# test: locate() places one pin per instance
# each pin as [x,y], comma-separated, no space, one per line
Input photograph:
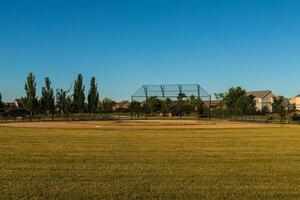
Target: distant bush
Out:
[270,118]
[296,117]
[15,112]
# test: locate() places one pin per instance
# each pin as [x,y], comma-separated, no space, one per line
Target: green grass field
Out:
[150,164]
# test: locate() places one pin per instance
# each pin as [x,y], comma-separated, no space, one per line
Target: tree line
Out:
[73,101]
[60,101]
[234,102]
[183,105]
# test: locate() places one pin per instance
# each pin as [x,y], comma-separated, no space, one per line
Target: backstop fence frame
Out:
[171,91]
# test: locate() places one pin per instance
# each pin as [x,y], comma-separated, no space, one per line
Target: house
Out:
[296,102]
[9,105]
[121,106]
[262,99]
[213,104]
[17,103]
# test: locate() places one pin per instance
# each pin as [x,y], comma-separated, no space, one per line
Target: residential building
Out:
[17,103]
[262,99]
[121,106]
[296,102]
[213,104]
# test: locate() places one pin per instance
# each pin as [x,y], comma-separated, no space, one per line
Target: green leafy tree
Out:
[63,102]
[30,101]
[220,110]
[219,96]
[280,106]
[68,105]
[135,107]
[291,108]
[181,104]
[238,102]
[78,95]
[231,98]
[1,103]
[195,105]
[189,107]
[93,96]
[245,105]
[100,107]
[167,106]
[107,105]
[60,100]
[153,104]
[265,110]
[47,99]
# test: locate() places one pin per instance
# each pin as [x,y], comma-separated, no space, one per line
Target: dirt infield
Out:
[139,124]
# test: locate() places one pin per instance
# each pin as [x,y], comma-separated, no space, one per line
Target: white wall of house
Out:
[296,101]
[266,101]
[258,102]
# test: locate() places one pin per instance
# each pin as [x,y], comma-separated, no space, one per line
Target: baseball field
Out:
[149,160]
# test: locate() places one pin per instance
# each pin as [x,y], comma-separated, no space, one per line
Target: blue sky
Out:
[216,43]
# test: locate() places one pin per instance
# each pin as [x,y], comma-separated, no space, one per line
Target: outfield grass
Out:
[150,164]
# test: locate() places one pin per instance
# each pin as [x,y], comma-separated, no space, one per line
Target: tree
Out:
[135,107]
[181,106]
[60,100]
[265,110]
[219,96]
[78,95]
[167,106]
[238,102]
[63,102]
[291,108]
[219,109]
[153,104]
[195,105]
[280,106]
[245,105]
[68,105]
[231,97]
[30,101]
[107,105]
[1,103]
[93,97]
[47,99]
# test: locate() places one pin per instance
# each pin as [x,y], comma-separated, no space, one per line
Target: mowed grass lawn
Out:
[150,164]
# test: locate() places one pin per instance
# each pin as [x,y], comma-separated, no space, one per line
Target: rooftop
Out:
[259,94]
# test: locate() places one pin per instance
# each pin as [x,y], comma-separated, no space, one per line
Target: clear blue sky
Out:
[216,43]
